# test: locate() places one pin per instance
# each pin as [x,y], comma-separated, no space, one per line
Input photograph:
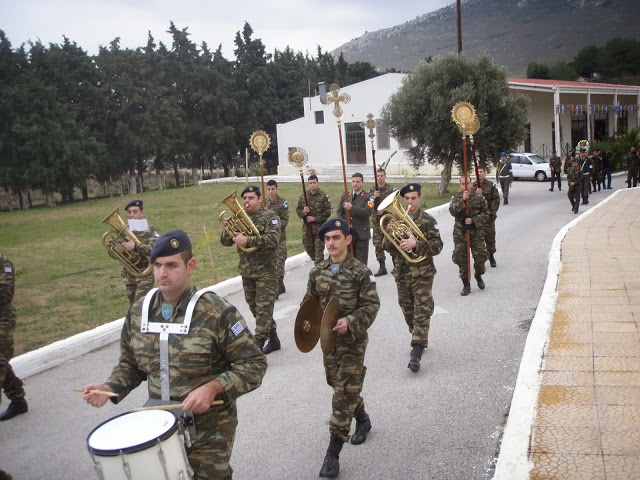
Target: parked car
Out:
[529,165]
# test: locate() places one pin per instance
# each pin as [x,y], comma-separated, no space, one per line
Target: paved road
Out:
[443,423]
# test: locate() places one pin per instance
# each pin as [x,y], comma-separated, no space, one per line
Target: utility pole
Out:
[459,28]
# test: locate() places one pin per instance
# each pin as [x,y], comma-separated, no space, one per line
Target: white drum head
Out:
[131,432]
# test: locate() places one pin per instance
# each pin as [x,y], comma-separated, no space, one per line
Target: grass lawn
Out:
[66,282]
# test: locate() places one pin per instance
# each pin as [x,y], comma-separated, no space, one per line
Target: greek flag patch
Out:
[274,221]
[8,269]
[372,278]
[285,204]
[436,226]
[237,329]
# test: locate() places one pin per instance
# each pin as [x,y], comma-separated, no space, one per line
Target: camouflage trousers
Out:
[416,302]
[478,250]
[345,372]
[210,454]
[12,385]
[574,197]
[378,237]
[138,288]
[596,179]
[490,236]
[260,294]
[315,252]
[281,254]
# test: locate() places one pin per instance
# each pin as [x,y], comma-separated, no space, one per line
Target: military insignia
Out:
[285,204]
[251,189]
[338,223]
[436,226]
[157,235]
[370,204]
[174,243]
[274,221]
[372,278]
[8,269]
[335,269]
[411,187]
[167,311]
[237,328]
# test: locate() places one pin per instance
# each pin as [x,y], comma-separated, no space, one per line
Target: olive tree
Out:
[421,110]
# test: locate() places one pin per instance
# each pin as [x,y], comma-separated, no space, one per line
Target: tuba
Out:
[401,226]
[132,261]
[238,221]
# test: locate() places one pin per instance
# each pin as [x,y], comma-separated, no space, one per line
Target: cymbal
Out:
[329,320]
[306,329]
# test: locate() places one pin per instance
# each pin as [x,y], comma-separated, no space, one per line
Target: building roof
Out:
[570,86]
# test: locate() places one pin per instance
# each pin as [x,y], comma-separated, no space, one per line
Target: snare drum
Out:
[140,445]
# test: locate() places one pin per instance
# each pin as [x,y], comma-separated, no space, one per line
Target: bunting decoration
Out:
[581,108]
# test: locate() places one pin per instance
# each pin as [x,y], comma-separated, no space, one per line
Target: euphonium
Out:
[112,241]
[401,224]
[237,221]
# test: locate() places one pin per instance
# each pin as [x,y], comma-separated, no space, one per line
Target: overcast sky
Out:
[301,24]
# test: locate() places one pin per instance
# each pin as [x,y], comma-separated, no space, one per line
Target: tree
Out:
[421,110]
[562,70]
[621,56]
[588,61]
[538,70]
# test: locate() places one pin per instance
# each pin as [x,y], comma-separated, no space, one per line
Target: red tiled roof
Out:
[565,83]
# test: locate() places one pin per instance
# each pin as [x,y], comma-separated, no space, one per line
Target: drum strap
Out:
[164,329]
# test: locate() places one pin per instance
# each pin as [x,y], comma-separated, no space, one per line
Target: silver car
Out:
[529,165]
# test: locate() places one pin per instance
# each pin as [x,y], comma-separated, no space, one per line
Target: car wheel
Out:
[541,176]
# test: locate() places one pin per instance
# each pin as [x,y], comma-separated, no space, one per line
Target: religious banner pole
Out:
[336,97]
[371,124]
[298,157]
[259,142]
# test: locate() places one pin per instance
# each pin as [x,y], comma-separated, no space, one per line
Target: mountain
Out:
[513,32]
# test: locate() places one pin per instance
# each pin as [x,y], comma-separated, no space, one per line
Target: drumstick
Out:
[171,407]
[97,392]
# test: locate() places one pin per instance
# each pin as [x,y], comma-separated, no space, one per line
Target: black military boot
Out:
[492,260]
[16,407]
[363,426]
[331,465]
[416,356]
[281,288]
[478,278]
[467,287]
[273,345]
[381,271]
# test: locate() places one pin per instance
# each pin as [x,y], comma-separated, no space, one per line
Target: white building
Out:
[583,110]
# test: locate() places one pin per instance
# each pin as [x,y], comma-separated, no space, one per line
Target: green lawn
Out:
[66,282]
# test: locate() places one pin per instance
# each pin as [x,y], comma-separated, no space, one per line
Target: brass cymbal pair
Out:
[313,324]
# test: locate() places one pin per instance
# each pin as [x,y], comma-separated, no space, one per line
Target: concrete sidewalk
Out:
[576,408]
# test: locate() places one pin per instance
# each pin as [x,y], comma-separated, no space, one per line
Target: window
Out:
[623,122]
[382,134]
[404,143]
[319,117]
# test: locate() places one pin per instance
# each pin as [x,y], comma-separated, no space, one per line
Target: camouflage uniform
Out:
[281,209]
[361,210]
[11,384]
[138,287]
[320,209]
[574,175]
[492,197]
[596,176]
[219,346]
[415,280]
[555,165]
[354,286]
[256,268]
[480,213]
[378,236]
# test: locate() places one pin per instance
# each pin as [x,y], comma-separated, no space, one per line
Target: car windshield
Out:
[537,159]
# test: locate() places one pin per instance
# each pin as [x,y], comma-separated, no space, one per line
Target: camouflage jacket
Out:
[384,193]
[555,163]
[491,196]
[596,161]
[147,239]
[477,209]
[361,210]
[263,260]
[504,170]
[574,175]
[219,346]
[7,289]
[354,286]
[319,207]
[281,208]
[429,248]
[633,162]
[567,164]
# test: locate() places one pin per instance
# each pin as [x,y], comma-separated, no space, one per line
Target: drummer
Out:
[200,360]
[343,277]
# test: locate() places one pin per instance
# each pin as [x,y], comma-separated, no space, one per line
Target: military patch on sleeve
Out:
[372,278]
[157,235]
[285,204]
[237,328]
[8,269]
[274,221]
[435,225]
[370,203]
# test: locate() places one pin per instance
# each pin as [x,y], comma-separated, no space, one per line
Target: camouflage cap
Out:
[333,224]
[251,189]
[409,188]
[134,203]
[170,243]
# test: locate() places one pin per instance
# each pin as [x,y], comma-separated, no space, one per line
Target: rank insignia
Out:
[167,311]
[335,269]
